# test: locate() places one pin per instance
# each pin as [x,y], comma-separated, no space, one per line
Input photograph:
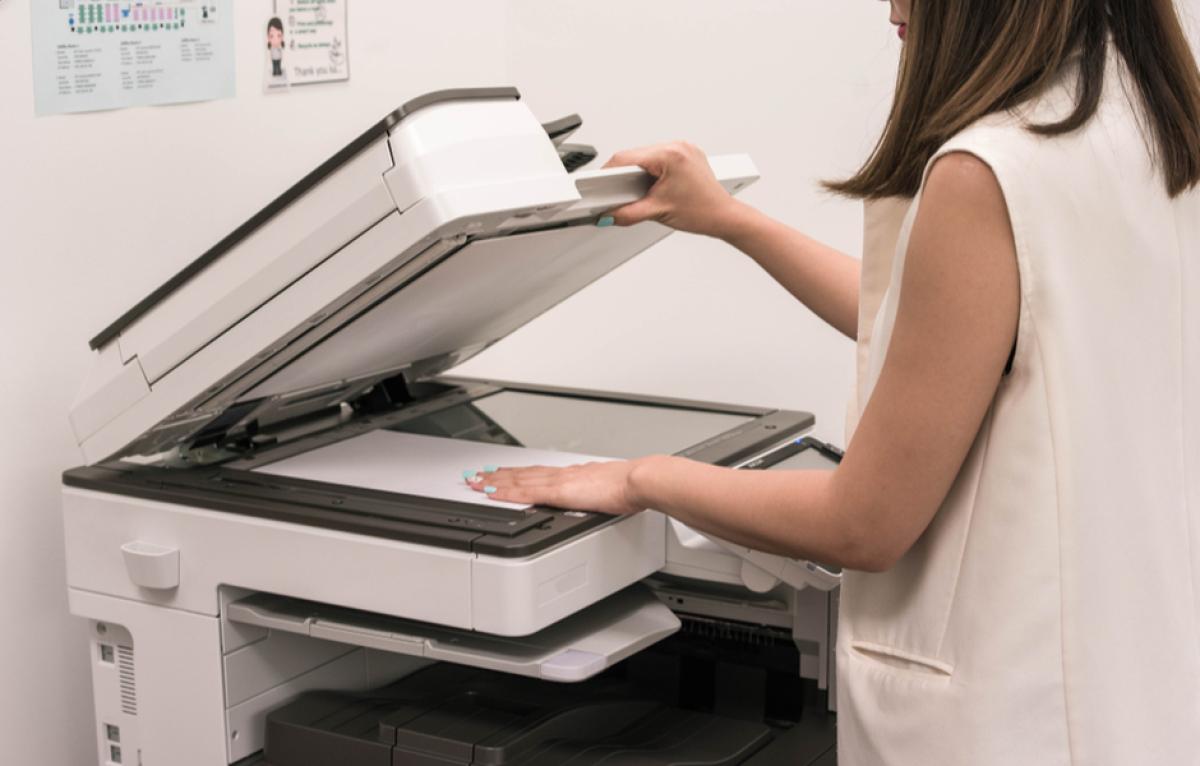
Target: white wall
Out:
[801,86]
[96,211]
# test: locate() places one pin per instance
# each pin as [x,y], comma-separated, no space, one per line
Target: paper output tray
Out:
[573,649]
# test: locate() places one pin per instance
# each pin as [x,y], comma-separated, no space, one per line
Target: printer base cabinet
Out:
[451,715]
[710,694]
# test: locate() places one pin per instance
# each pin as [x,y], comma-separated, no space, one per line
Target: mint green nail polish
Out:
[489,490]
[606,221]
[490,469]
[469,474]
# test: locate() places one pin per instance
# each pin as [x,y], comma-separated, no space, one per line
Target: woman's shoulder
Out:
[1002,142]
[1009,136]
[1010,132]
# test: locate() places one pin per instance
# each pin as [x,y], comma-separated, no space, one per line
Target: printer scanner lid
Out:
[444,227]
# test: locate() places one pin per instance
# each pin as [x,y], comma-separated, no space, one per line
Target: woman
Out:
[1019,504]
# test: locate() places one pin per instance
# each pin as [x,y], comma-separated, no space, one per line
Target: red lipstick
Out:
[902,30]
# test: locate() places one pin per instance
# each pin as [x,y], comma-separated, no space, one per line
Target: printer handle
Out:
[619,186]
[608,188]
[151,566]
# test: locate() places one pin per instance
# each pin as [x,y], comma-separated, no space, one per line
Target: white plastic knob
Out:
[757,580]
[151,566]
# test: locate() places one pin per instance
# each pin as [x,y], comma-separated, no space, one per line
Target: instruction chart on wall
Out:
[304,43]
[89,56]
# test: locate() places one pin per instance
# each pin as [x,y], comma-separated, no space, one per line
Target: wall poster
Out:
[108,55]
[305,43]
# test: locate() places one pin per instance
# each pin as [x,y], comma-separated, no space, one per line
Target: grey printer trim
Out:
[561,129]
[232,488]
[376,131]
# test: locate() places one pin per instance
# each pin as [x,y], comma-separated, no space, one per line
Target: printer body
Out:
[252,526]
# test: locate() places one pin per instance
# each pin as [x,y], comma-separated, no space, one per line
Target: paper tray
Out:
[573,649]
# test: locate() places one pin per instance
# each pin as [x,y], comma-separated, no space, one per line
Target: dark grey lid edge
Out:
[562,127]
[452,94]
[282,201]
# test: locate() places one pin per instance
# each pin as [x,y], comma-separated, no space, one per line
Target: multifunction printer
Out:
[272,543]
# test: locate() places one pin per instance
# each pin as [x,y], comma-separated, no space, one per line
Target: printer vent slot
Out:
[128,683]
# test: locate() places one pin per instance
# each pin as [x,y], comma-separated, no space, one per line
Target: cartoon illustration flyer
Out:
[305,43]
[107,55]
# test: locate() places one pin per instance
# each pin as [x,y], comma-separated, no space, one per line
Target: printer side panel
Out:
[158,692]
[215,548]
[173,684]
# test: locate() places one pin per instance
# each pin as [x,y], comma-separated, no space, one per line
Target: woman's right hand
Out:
[686,195]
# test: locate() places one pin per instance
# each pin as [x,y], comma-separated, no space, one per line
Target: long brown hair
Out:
[966,59]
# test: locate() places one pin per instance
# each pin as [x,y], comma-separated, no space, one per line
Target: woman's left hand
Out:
[602,487]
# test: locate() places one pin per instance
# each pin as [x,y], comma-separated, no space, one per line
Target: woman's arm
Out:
[688,197]
[954,330]
[822,278]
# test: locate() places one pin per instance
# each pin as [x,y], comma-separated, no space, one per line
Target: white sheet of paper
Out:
[412,464]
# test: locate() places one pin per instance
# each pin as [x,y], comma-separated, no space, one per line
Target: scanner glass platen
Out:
[612,429]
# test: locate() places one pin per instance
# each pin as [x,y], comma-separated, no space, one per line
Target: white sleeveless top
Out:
[1050,614]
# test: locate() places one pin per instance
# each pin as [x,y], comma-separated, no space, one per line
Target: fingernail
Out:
[489,469]
[606,221]
[471,475]
[489,490]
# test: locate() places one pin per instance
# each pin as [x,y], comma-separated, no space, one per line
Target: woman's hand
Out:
[602,487]
[686,195]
